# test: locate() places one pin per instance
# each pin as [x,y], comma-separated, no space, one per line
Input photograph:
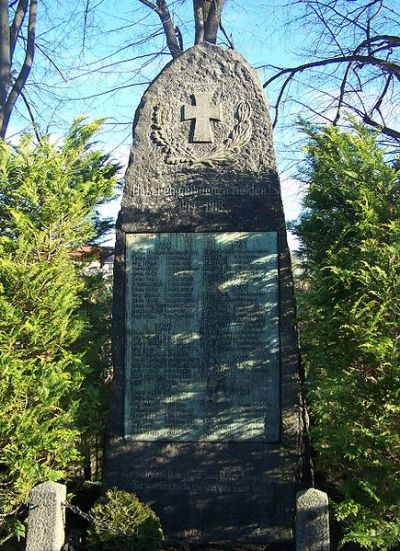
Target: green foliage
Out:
[95,341]
[47,200]
[350,234]
[123,523]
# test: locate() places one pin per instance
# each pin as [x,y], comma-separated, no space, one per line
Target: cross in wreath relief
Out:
[202,112]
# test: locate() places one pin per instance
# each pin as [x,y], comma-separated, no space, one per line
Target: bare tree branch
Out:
[363,59]
[5,59]
[228,38]
[50,60]
[389,41]
[390,132]
[353,47]
[85,22]
[377,106]
[161,9]
[35,126]
[342,93]
[149,4]
[26,67]
[207,19]
[280,96]
[110,91]
[16,24]
[325,24]
[370,19]
[179,37]
[169,29]
[321,115]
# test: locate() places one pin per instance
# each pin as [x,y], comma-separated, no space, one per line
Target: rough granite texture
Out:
[46,517]
[215,172]
[312,521]
[167,172]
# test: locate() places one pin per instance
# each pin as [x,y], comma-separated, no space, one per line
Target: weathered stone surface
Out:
[46,517]
[312,521]
[178,181]
[202,162]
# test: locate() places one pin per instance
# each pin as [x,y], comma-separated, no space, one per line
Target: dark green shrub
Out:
[48,195]
[122,522]
[350,237]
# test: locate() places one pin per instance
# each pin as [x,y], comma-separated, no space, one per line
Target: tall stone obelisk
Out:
[206,418]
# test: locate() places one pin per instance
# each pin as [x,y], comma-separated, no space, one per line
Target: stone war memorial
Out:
[207,420]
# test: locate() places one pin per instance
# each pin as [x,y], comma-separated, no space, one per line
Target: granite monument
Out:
[207,421]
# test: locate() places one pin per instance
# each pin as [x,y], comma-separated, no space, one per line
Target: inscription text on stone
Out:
[202,341]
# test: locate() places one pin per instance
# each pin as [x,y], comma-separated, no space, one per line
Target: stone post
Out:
[46,517]
[312,521]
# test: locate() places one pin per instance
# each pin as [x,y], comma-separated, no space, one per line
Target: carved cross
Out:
[202,113]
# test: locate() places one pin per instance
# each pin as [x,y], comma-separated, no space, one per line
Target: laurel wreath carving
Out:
[225,153]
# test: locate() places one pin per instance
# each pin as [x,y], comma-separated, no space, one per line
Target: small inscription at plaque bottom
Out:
[202,340]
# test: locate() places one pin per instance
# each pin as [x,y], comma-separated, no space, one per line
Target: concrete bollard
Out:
[312,521]
[46,520]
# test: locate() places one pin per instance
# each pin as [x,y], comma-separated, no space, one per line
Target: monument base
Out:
[209,493]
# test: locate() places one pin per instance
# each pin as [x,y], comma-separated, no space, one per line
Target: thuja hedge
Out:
[48,195]
[350,307]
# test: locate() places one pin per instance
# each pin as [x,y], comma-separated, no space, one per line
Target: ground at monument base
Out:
[230,547]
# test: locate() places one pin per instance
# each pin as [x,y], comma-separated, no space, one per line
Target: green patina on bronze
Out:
[202,330]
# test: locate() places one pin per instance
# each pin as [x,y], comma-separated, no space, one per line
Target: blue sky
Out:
[103,71]
[97,74]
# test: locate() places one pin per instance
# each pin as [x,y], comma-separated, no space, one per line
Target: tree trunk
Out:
[8,37]
[162,10]
[207,19]
[5,61]
[213,20]
[198,21]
